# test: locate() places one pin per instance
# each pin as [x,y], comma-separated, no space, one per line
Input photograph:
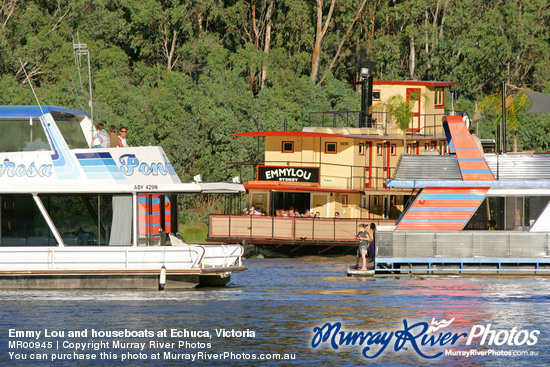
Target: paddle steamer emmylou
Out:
[74,217]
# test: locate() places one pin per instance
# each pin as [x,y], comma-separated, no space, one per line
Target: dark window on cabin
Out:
[72,133]
[330,148]
[288,147]
[86,219]
[22,135]
[23,223]
[375,95]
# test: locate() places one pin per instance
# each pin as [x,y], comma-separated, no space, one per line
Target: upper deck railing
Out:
[422,125]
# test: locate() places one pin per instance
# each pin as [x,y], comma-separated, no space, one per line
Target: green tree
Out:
[516,103]
[401,110]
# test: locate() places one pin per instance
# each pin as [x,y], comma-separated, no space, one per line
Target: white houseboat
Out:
[75,217]
[470,212]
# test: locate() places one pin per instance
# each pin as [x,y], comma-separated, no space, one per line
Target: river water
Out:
[278,303]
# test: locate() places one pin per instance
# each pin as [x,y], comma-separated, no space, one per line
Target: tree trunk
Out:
[7,9]
[337,56]
[319,34]
[412,60]
[267,42]
[427,40]
[255,26]
[170,48]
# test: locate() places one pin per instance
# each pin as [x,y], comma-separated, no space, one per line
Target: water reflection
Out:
[282,300]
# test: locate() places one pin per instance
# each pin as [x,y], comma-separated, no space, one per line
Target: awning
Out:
[35,111]
[304,134]
[540,102]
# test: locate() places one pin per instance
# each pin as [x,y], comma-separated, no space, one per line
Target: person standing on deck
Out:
[363,237]
[101,138]
[113,139]
[371,250]
[122,137]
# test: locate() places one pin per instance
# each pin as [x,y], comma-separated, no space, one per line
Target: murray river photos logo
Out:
[428,340]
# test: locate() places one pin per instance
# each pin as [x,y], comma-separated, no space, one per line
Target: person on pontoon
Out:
[364,238]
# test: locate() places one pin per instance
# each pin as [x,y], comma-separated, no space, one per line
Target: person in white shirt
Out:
[101,138]
[122,137]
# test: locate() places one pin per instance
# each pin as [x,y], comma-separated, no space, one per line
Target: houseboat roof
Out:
[304,134]
[427,167]
[514,170]
[313,134]
[36,111]
[425,83]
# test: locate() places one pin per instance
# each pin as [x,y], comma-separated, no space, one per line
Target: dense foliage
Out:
[189,74]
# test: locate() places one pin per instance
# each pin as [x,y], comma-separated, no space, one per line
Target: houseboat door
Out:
[155,215]
[413,94]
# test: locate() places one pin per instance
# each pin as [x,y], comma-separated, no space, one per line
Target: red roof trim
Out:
[412,82]
[289,133]
[295,188]
[327,135]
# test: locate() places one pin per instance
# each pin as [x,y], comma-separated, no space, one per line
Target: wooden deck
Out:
[287,230]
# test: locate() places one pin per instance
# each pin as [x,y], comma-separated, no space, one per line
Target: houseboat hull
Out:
[119,267]
[463,253]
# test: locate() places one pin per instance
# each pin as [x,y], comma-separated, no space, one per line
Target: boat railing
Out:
[481,245]
[222,255]
[422,124]
[102,258]
[229,227]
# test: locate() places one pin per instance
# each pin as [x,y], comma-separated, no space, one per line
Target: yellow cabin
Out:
[341,171]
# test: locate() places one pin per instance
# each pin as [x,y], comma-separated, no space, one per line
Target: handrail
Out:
[229,257]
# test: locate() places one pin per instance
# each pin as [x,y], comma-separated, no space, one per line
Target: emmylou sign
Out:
[288,174]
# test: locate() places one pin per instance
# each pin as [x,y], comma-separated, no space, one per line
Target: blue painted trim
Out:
[97,162]
[34,111]
[476,171]
[450,197]
[468,260]
[417,184]
[471,159]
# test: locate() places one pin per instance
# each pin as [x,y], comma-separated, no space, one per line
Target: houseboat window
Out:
[330,148]
[378,149]
[361,149]
[375,95]
[285,200]
[288,147]
[344,200]
[23,223]
[22,135]
[439,97]
[508,213]
[72,132]
[393,149]
[87,219]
